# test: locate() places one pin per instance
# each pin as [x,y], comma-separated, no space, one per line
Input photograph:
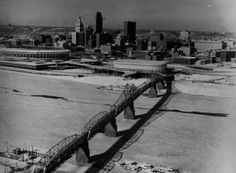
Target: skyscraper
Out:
[184,35]
[99,29]
[79,26]
[79,36]
[99,22]
[99,38]
[130,31]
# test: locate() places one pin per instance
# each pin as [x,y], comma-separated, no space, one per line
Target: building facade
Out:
[130,31]
[79,36]
[143,66]
[184,35]
[99,22]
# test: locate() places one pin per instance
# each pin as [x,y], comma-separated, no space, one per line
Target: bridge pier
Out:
[153,92]
[110,129]
[161,85]
[169,81]
[82,154]
[129,112]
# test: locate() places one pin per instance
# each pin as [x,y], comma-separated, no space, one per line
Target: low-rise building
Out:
[184,60]
[142,66]
[35,53]
[225,55]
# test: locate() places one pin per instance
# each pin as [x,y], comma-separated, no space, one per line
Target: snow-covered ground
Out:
[197,77]
[229,68]
[80,71]
[222,87]
[206,89]
[102,80]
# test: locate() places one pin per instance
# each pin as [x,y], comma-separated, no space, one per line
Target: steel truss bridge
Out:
[64,149]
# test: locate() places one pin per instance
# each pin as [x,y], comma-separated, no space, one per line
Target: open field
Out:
[193,133]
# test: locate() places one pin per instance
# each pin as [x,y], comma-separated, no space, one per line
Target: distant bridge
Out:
[104,122]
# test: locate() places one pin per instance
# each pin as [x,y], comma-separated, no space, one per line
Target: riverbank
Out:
[70,72]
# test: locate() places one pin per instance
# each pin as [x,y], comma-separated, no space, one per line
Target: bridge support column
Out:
[161,85]
[129,112]
[153,91]
[111,128]
[169,81]
[83,154]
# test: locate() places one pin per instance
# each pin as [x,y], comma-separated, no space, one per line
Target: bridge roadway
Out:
[102,122]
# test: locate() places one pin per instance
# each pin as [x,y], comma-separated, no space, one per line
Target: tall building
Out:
[99,39]
[99,22]
[184,35]
[92,41]
[156,41]
[79,36]
[89,32]
[130,31]
[99,29]
[79,26]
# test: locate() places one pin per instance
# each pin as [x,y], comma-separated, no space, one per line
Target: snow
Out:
[206,89]
[102,80]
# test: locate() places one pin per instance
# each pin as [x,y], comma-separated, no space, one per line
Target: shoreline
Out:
[37,72]
[93,79]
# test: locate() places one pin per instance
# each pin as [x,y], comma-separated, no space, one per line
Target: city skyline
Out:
[203,15]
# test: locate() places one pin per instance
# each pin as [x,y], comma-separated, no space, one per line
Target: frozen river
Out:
[40,111]
[193,133]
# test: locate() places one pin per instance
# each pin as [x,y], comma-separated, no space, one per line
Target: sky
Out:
[202,15]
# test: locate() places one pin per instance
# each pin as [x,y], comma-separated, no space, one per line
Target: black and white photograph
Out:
[117,86]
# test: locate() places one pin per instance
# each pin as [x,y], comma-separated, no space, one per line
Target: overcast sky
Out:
[206,15]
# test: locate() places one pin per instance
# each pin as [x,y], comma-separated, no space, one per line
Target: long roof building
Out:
[35,53]
[143,66]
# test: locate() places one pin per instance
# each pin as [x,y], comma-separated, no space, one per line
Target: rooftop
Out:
[140,62]
[33,50]
[186,57]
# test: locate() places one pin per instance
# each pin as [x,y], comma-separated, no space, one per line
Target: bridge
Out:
[103,122]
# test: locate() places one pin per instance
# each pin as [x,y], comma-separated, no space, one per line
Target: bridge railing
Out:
[90,125]
[67,149]
[55,149]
